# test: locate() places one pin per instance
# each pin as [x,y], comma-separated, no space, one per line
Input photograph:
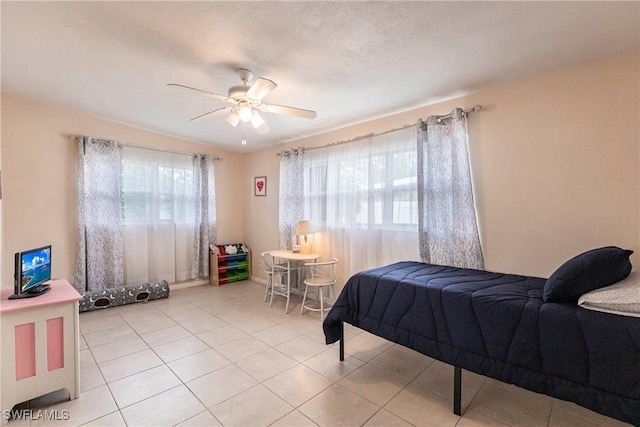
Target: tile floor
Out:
[211,356]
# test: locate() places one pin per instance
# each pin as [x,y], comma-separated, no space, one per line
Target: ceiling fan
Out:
[247,102]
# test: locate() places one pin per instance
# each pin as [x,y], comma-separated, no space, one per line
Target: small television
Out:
[32,271]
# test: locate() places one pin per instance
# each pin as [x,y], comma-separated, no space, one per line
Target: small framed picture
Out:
[260,185]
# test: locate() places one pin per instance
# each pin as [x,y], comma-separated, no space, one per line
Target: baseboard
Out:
[188,284]
[259,280]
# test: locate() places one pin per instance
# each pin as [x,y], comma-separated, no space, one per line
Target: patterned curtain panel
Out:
[448,231]
[291,195]
[99,263]
[205,214]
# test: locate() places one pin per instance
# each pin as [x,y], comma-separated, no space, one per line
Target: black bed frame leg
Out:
[457,390]
[341,341]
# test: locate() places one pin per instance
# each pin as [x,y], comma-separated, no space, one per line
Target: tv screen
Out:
[35,268]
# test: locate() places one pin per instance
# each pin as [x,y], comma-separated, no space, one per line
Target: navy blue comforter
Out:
[497,325]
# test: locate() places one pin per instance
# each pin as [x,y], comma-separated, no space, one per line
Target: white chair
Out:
[280,285]
[268,267]
[319,275]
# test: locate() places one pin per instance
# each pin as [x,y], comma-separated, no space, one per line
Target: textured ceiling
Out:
[349,61]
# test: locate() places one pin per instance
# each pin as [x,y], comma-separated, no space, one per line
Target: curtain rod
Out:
[343,141]
[76,137]
[465,113]
[420,124]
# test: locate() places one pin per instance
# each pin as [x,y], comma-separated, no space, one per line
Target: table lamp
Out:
[304,229]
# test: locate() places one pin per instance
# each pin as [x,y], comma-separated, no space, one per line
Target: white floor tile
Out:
[438,377]
[298,384]
[91,405]
[422,407]
[90,377]
[472,418]
[220,385]
[203,419]
[337,406]
[178,349]
[365,348]
[301,348]
[384,418]
[147,325]
[165,409]
[511,408]
[294,419]
[118,349]
[108,336]
[115,369]
[255,407]
[198,364]
[266,364]
[199,325]
[276,335]
[143,385]
[100,320]
[248,323]
[241,348]
[163,336]
[328,364]
[374,384]
[86,359]
[221,335]
[402,363]
[113,419]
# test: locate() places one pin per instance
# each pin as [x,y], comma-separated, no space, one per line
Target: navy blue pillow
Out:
[586,272]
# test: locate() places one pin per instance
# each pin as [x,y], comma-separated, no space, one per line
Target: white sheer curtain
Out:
[158,215]
[291,195]
[99,262]
[448,226]
[362,200]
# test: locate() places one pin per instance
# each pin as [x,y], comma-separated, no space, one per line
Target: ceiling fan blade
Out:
[211,112]
[260,88]
[290,111]
[210,94]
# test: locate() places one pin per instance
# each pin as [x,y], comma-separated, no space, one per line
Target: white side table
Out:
[40,345]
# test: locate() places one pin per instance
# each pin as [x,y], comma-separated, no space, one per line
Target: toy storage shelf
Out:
[227,267]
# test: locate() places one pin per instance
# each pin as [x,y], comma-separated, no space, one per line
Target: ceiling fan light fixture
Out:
[256,120]
[244,111]
[233,118]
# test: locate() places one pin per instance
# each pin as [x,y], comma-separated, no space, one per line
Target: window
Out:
[371,183]
[362,200]
[158,203]
[157,189]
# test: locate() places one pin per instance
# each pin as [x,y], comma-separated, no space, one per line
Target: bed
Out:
[508,327]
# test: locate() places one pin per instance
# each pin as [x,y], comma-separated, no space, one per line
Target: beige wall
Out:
[39,165]
[555,163]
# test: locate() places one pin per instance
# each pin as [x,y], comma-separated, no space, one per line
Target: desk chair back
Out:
[267,258]
[319,276]
[321,273]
